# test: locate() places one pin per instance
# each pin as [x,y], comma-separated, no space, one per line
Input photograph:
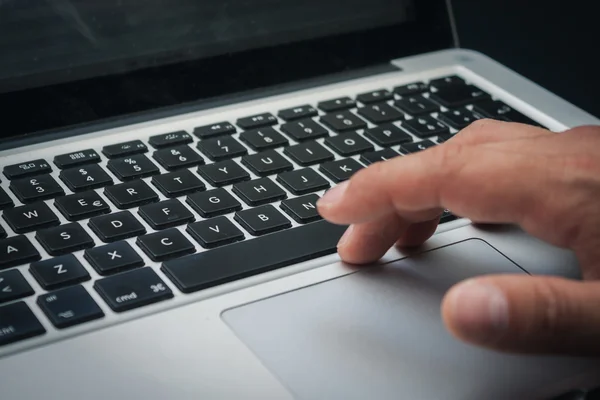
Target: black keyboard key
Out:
[215,232]
[306,129]
[166,214]
[178,183]
[377,156]
[69,307]
[37,188]
[132,289]
[447,216]
[77,158]
[259,191]
[263,138]
[343,121]
[498,110]
[452,80]
[257,121]
[124,149]
[230,263]
[340,170]
[17,250]
[3,233]
[416,105]
[410,89]
[444,138]
[131,194]
[117,226]
[5,200]
[30,168]
[58,272]
[177,157]
[17,322]
[388,135]
[425,126]
[343,103]
[348,144]
[30,217]
[309,153]
[300,112]
[375,96]
[85,178]
[132,167]
[13,286]
[222,148]
[267,163]
[219,129]
[213,203]
[302,209]
[170,139]
[165,245]
[114,257]
[458,95]
[262,220]
[303,181]
[64,239]
[380,113]
[416,147]
[80,206]
[458,119]
[223,173]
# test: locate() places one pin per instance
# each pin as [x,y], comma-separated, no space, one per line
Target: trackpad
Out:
[378,334]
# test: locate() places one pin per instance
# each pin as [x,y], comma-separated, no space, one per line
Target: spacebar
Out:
[242,259]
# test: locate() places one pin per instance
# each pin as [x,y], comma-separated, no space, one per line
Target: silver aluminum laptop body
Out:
[316,329]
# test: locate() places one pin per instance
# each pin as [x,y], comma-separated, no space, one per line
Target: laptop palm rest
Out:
[377,334]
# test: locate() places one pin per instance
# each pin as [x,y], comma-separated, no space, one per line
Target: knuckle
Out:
[552,309]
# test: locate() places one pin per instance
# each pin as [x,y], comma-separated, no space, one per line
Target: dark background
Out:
[555,43]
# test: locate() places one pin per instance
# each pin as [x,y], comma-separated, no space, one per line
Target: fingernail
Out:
[479,310]
[346,236]
[333,195]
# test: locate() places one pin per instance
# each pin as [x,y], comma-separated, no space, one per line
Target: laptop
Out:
[160,167]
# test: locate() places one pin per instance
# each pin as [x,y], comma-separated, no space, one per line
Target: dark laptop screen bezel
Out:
[66,105]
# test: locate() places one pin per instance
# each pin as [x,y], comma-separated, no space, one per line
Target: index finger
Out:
[476,182]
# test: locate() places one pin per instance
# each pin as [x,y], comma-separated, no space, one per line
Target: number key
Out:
[304,130]
[380,113]
[132,167]
[343,121]
[263,139]
[37,188]
[178,157]
[85,178]
[221,148]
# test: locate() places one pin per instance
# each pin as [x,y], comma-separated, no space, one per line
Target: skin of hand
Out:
[492,172]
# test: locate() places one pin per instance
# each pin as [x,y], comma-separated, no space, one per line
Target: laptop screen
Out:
[74,52]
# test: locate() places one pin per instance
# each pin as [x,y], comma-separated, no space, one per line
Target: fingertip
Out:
[476,311]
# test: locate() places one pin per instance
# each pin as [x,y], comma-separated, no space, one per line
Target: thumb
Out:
[526,314]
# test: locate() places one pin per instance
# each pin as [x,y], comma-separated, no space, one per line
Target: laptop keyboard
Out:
[234,200]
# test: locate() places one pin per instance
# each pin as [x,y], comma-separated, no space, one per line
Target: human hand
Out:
[492,172]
